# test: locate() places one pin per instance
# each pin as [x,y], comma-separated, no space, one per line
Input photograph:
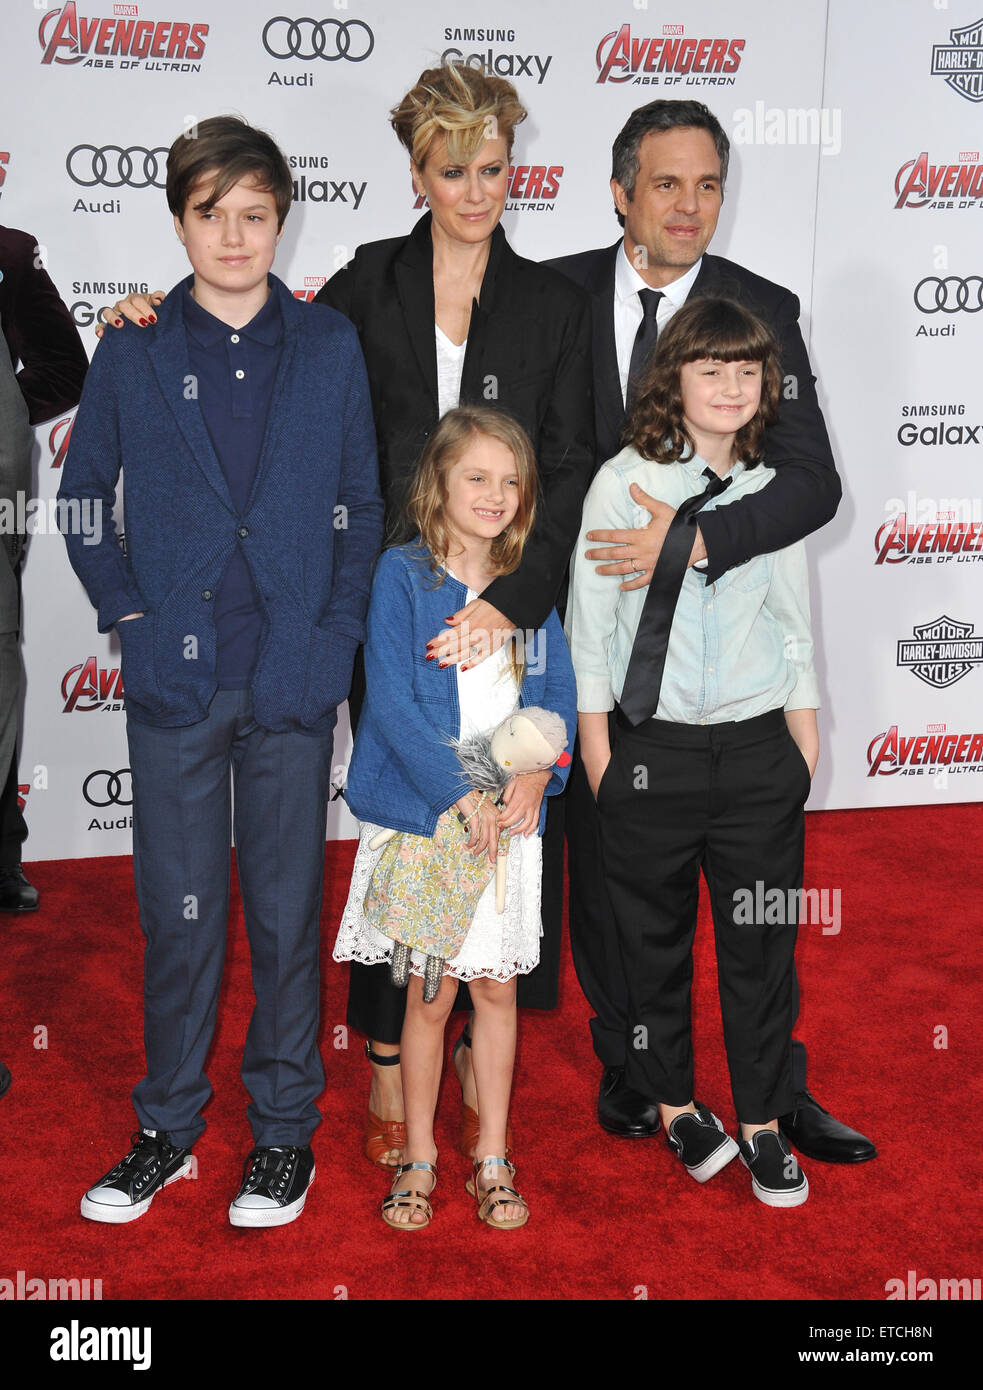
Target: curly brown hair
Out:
[703,328]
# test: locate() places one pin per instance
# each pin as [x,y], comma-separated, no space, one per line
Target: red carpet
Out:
[611,1219]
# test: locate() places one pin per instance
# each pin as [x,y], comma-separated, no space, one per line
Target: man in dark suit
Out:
[41,336]
[668,173]
[15,478]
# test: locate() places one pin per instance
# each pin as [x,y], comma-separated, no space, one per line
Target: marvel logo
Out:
[968,156]
[674,29]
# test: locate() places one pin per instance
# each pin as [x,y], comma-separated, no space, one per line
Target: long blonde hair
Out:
[428,491]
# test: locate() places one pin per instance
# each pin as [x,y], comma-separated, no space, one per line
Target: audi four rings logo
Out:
[114,167]
[949,295]
[329,39]
[102,788]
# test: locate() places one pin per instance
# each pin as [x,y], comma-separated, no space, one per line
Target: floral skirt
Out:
[496,946]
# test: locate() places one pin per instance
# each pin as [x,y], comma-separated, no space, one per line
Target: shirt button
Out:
[709,668]
[206,594]
[709,607]
[234,338]
[240,374]
[243,532]
[703,721]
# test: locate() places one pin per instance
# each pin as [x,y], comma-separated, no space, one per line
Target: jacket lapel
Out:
[494,281]
[168,353]
[277,416]
[609,405]
[413,268]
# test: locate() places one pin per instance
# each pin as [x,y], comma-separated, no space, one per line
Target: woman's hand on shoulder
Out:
[472,634]
[138,308]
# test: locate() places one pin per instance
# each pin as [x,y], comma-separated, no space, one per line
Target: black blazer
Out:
[39,331]
[529,353]
[805,491]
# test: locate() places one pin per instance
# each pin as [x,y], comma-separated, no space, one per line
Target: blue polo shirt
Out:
[235,369]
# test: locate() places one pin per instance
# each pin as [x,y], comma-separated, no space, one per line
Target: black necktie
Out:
[645,340]
[643,681]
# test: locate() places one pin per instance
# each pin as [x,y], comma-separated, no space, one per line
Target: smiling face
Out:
[482,493]
[673,210]
[719,398]
[231,245]
[467,200]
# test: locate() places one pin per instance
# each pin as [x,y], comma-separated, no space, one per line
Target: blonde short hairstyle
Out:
[460,103]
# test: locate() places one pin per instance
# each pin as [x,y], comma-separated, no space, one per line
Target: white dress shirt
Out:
[628,306]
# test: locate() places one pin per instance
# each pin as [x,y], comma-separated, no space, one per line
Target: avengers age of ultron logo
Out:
[58,439]
[312,283]
[668,60]
[532,188]
[89,687]
[928,542]
[121,41]
[919,184]
[914,755]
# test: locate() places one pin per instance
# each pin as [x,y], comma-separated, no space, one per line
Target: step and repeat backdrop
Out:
[856,180]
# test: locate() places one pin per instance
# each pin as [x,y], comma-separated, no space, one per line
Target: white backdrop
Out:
[836,117]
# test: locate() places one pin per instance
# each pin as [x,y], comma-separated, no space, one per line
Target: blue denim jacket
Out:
[402,773]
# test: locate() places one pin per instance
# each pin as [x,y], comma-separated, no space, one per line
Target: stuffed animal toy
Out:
[424,891]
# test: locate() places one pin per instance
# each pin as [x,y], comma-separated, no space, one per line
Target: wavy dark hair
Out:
[703,328]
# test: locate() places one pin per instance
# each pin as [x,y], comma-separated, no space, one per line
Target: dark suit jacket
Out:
[528,353]
[312,575]
[39,331]
[805,491]
[15,477]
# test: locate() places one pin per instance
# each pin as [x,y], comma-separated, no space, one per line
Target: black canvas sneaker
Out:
[127,1190]
[274,1187]
[776,1178]
[700,1141]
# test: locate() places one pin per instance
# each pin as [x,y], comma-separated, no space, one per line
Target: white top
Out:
[450,365]
[628,306]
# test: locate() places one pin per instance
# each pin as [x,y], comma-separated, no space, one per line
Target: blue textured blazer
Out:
[402,773]
[311,529]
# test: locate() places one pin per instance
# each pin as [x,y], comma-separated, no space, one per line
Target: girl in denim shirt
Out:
[473,505]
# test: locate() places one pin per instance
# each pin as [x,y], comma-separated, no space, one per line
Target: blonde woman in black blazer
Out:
[527,331]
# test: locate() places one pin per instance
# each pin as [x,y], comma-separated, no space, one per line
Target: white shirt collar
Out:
[627,281]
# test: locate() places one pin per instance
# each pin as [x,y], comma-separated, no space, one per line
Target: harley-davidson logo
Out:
[942,652]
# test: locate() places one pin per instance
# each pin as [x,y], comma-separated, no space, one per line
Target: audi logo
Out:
[108,785]
[114,167]
[307,39]
[950,294]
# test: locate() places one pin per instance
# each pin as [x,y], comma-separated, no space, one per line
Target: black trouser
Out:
[727,799]
[13,827]
[376,1007]
[594,941]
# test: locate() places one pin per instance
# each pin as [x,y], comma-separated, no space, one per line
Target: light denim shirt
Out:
[737,648]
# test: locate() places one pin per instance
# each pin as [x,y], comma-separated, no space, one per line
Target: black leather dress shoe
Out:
[815,1133]
[16,894]
[623,1111]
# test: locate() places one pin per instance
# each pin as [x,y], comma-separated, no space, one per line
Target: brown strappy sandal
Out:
[410,1197]
[383,1136]
[497,1196]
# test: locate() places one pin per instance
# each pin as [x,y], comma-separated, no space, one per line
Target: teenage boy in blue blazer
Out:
[253,517]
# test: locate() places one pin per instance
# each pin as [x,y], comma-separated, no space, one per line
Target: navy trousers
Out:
[182,819]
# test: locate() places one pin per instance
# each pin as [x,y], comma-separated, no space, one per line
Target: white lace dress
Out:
[498,947]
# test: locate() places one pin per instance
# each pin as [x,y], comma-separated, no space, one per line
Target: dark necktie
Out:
[643,681]
[645,340]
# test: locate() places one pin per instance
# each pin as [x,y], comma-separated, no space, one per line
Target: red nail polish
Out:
[464,668]
[153,318]
[143,323]
[442,664]
[431,656]
[118,323]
